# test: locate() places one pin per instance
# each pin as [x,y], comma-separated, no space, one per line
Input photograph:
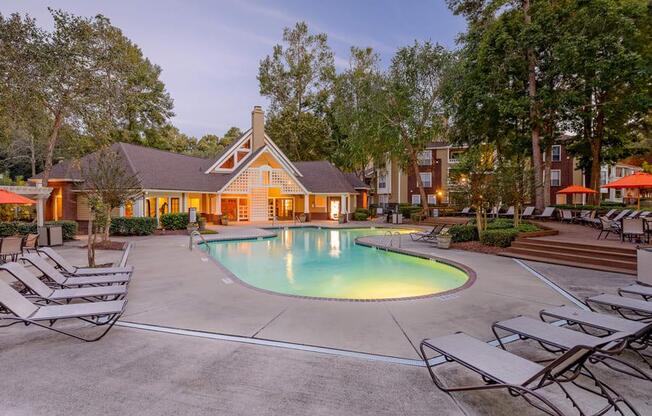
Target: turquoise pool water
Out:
[327,263]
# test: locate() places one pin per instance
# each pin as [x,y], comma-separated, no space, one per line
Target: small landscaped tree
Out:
[107,185]
[514,184]
[475,182]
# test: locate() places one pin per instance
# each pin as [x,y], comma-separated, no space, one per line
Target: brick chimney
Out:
[258,127]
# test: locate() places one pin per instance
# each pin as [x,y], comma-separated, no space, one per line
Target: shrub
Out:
[360,216]
[499,237]
[363,210]
[461,233]
[500,224]
[133,225]
[174,221]
[407,210]
[68,228]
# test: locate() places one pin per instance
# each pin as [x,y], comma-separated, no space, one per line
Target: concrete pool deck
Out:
[163,373]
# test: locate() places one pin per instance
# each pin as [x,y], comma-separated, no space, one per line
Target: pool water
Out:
[327,263]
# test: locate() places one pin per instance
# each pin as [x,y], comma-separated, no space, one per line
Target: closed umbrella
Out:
[638,180]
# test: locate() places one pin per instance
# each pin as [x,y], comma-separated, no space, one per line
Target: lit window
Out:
[426,179]
[556,153]
[555,178]
[431,199]
[416,199]
[174,205]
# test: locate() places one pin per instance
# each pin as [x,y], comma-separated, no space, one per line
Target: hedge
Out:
[360,216]
[174,221]
[461,233]
[68,228]
[499,237]
[133,225]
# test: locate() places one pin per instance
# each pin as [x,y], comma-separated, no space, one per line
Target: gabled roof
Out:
[322,177]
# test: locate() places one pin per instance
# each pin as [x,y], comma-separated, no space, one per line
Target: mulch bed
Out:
[109,245]
[477,247]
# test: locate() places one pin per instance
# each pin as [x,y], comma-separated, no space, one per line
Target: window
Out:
[426,178]
[416,199]
[383,199]
[174,204]
[454,157]
[619,172]
[431,199]
[618,194]
[603,177]
[320,201]
[425,158]
[382,181]
[556,153]
[555,177]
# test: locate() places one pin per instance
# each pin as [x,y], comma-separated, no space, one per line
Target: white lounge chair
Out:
[68,268]
[73,281]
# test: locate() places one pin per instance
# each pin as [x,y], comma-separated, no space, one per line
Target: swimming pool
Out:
[326,263]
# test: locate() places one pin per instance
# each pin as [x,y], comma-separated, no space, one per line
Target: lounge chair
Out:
[18,309]
[620,216]
[36,287]
[10,248]
[584,320]
[465,211]
[557,339]
[610,213]
[567,216]
[587,217]
[68,268]
[644,214]
[607,227]
[527,212]
[508,213]
[419,236]
[633,214]
[494,212]
[500,369]
[547,214]
[61,280]
[634,309]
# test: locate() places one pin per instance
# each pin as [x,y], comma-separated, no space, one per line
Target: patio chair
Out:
[610,213]
[59,279]
[465,211]
[18,309]
[10,248]
[567,216]
[34,286]
[556,339]
[628,308]
[508,213]
[636,289]
[68,268]
[30,243]
[644,214]
[585,321]
[632,228]
[527,212]
[500,369]
[419,236]
[620,216]
[587,217]
[547,214]
[607,227]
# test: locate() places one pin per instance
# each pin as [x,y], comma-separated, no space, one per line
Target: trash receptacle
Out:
[50,235]
[644,262]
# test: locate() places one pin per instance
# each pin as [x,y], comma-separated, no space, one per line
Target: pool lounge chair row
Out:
[575,345]
[430,235]
[100,299]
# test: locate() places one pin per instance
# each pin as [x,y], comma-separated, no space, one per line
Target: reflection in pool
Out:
[327,263]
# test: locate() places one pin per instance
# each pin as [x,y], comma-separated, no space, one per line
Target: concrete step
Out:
[580,250]
[561,243]
[571,263]
[578,260]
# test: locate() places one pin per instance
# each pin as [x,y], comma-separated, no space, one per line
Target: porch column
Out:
[343,206]
[139,208]
[306,204]
[184,202]
[218,204]
[40,211]
[121,211]
[158,214]
[169,204]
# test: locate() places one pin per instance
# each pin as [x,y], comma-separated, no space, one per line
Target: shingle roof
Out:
[355,181]
[163,170]
[322,177]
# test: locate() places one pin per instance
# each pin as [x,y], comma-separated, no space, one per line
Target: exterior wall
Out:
[566,168]
[439,169]
[62,203]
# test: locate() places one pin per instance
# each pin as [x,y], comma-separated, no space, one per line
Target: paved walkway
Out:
[134,371]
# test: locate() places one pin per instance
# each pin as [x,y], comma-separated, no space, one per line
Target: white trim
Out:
[235,146]
[273,145]
[550,179]
[252,159]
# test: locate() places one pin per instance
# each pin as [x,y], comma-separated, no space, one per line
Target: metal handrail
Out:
[194,234]
[390,242]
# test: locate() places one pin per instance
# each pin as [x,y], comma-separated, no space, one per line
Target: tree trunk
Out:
[414,162]
[52,142]
[546,175]
[537,157]
[32,154]
[91,243]
[478,219]
[107,225]
[596,150]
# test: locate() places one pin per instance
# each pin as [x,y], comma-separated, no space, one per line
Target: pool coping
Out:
[472,276]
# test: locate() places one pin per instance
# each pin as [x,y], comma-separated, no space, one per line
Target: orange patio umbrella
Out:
[576,189]
[638,180]
[11,198]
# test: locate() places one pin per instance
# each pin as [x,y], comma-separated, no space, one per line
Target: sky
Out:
[209,51]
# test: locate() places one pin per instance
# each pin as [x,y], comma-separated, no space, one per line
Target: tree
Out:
[107,185]
[297,79]
[84,75]
[411,103]
[355,124]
